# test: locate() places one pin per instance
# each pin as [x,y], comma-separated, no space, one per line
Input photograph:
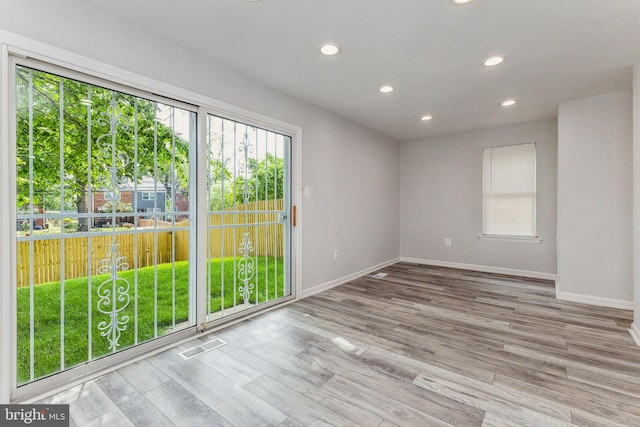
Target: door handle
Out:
[284,217]
[294,215]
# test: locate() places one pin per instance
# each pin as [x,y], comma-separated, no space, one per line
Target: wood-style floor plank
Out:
[305,410]
[134,405]
[380,404]
[423,346]
[178,404]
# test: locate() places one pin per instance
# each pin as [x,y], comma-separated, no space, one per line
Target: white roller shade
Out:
[509,190]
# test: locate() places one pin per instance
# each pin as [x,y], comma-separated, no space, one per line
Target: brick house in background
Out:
[146,197]
[182,202]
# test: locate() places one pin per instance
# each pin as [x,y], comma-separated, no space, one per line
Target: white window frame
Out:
[12,45]
[527,181]
[148,195]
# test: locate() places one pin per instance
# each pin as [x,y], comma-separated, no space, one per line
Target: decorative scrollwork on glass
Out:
[113,297]
[245,265]
[246,268]
[243,168]
[113,292]
[113,160]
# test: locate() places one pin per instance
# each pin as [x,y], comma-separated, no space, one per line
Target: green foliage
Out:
[119,207]
[47,326]
[220,186]
[221,195]
[60,165]
[75,145]
[264,182]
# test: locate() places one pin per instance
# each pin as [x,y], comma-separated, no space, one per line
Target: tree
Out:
[265,180]
[108,139]
[117,206]
[220,185]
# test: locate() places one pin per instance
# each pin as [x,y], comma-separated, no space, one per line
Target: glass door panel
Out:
[248,239]
[103,212]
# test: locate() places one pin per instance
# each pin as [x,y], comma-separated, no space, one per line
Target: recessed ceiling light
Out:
[461,1]
[494,60]
[426,118]
[329,49]
[386,89]
[509,102]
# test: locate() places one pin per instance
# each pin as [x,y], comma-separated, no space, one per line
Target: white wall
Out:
[441,197]
[595,200]
[353,171]
[635,328]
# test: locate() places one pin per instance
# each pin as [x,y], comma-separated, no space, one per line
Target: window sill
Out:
[507,238]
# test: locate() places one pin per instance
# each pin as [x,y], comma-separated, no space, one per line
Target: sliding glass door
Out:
[248,218]
[123,234]
[103,220]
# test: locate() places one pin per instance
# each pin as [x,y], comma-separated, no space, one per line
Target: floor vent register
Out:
[203,348]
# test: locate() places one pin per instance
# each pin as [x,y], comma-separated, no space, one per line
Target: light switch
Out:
[307,191]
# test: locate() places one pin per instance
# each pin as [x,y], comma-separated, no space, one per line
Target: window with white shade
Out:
[509,191]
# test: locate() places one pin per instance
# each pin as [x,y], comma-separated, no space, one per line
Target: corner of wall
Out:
[482,268]
[342,280]
[635,329]
[586,259]
[635,333]
[593,300]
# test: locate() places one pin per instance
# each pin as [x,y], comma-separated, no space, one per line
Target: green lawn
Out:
[47,299]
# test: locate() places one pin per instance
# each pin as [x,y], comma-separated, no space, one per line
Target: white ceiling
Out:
[431,51]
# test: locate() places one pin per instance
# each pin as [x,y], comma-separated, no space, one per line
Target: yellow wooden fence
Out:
[267,239]
[154,240]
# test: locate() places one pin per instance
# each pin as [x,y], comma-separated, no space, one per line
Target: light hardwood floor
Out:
[424,346]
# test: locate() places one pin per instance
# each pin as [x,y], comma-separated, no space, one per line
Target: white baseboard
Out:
[635,332]
[342,280]
[482,268]
[599,301]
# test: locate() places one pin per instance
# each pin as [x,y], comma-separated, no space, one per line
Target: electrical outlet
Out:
[447,242]
[335,253]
